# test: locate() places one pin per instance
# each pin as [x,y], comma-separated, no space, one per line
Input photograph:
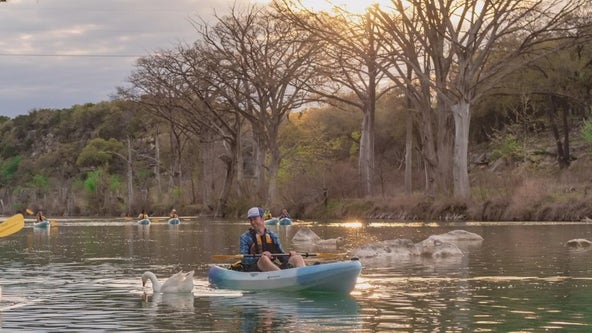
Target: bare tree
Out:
[414,72]
[350,66]
[173,85]
[270,64]
[464,42]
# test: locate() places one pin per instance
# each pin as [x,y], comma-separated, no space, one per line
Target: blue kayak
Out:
[41,224]
[337,277]
[272,221]
[144,221]
[285,221]
[174,220]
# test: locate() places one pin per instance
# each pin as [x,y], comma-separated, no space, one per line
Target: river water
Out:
[84,275]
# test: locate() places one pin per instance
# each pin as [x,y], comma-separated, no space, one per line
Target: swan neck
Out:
[155,282]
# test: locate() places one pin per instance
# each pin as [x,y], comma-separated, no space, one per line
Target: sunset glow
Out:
[351,224]
[353,6]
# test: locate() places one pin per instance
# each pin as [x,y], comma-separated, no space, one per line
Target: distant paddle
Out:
[13,224]
[305,255]
[152,219]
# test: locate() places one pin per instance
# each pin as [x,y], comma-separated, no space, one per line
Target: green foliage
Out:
[143,176]
[115,183]
[92,181]
[177,192]
[586,131]
[40,183]
[355,148]
[11,138]
[99,152]
[9,169]
[315,138]
[507,146]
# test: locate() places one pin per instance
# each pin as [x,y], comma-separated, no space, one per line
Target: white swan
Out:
[178,283]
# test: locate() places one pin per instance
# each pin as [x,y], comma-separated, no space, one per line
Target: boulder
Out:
[579,243]
[393,248]
[305,235]
[435,248]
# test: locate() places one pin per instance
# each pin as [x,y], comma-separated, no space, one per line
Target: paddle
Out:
[151,218]
[305,255]
[13,224]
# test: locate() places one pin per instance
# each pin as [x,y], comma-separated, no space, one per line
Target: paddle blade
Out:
[30,212]
[13,224]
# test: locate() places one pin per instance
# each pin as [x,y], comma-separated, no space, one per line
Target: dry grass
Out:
[534,189]
[522,194]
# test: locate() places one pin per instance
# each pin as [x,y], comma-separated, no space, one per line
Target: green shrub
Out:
[507,147]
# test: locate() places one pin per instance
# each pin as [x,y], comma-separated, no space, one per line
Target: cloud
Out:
[58,53]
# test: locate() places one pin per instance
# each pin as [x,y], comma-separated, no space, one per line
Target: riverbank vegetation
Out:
[391,114]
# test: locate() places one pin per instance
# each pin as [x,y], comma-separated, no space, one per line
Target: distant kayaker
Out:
[259,240]
[173,214]
[284,214]
[143,215]
[40,216]
[267,215]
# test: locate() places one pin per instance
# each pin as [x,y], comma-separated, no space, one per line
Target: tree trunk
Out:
[566,150]
[157,162]
[429,155]
[260,173]
[460,171]
[273,194]
[230,163]
[445,149]
[206,174]
[409,150]
[130,186]
[366,156]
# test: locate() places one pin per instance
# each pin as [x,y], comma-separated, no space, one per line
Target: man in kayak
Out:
[259,240]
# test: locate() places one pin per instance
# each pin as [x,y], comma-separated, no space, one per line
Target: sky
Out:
[58,53]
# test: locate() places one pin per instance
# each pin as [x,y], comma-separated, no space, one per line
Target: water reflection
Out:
[143,231]
[85,276]
[176,301]
[263,312]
